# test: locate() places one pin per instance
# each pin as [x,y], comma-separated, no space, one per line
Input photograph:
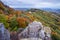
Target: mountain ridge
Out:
[14,19]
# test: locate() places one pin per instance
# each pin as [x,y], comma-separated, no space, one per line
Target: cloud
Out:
[47,5]
[33,3]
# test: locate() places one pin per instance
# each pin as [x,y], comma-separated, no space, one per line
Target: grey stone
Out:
[34,30]
[4,33]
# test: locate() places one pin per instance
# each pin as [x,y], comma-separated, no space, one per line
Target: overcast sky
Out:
[32,3]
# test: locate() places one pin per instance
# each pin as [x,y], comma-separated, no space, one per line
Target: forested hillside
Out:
[14,19]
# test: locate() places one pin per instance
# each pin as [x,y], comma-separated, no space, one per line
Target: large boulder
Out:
[4,33]
[35,30]
[32,30]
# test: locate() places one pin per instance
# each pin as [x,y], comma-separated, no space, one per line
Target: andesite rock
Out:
[4,33]
[36,30]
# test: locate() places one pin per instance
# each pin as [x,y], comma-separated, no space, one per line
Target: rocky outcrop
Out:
[36,30]
[4,33]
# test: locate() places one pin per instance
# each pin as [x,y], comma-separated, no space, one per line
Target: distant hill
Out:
[23,9]
[45,9]
[52,10]
[56,11]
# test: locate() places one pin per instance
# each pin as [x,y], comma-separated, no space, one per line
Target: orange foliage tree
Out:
[1,12]
[22,22]
[18,13]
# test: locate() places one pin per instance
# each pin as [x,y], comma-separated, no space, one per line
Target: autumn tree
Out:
[22,22]
[18,13]
[4,20]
